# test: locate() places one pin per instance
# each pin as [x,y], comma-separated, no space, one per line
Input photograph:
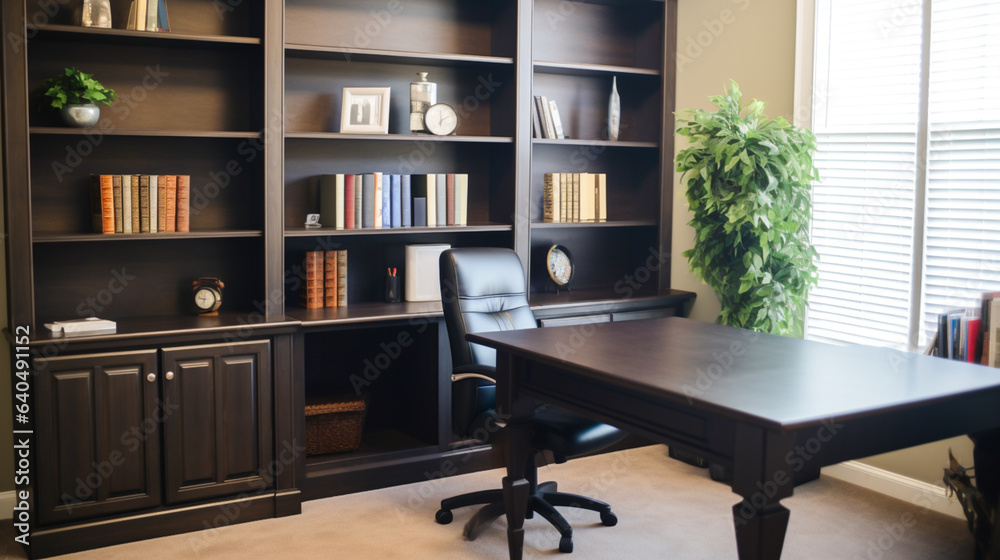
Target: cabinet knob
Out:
[151,377]
[170,375]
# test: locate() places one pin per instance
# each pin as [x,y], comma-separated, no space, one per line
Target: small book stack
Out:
[575,197]
[970,334]
[141,203]
[324,282]
[545,119]
[383,200]
[88,326]
[148,15]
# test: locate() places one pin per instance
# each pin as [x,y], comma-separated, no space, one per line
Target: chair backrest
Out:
[482,290]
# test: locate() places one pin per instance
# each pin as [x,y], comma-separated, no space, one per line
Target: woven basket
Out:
[334,424]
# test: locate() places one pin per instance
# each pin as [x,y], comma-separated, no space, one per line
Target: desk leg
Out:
[517,453]
[762,477]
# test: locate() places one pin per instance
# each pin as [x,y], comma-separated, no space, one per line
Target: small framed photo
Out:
[365,110]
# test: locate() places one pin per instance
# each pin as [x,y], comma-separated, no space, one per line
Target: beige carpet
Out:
[666,510]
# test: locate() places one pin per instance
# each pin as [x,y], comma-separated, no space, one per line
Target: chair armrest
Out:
[474,371]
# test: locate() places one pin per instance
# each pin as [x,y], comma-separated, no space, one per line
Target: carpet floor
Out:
[666,509]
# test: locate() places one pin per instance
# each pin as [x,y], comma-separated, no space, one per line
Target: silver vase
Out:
[614,111]
[96,13]
[81,115]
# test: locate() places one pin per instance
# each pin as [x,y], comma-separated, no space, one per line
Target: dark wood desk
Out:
[769,408]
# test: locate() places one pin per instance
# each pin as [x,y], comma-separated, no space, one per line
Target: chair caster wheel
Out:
[566,544]
[609,519]
[444,516]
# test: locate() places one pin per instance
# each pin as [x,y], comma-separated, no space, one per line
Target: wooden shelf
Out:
[583,142]
[542,301]
[379,446]
[129,37]
[418,230]
[107,237]
[148,133]
[576,69]
[610,223]
[171,325]
[403,57]
[364,312]
[399,137]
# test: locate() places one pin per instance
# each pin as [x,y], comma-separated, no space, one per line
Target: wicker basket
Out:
[334,424]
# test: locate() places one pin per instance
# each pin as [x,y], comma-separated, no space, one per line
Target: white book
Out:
[462,199]
[432,199]
[602,197]
[152,20]
[88,325]
[588,196]
[154,214]
[126,204]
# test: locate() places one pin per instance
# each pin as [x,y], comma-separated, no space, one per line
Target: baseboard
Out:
[7,504]
[897,486]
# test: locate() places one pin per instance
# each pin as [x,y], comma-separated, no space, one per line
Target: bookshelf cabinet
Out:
[245,97]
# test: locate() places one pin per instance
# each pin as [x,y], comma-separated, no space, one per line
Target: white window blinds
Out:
[868,116]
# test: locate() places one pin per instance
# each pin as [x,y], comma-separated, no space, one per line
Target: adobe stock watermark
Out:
[696,45]
[720,361]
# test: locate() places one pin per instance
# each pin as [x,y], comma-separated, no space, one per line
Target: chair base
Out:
[543,500]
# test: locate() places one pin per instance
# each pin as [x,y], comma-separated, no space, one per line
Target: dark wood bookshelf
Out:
[101,237]
[405,57]
[138,38]
[548,67]
[62,131]
[249,105]
[399,137]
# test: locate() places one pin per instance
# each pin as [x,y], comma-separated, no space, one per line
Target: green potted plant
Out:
[75,94]
[747,181]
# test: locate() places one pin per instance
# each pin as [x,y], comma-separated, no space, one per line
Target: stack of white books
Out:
[82,327]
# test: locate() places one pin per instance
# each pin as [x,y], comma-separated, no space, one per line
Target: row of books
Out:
[148,15]
[575,197]
[383,200]
[545,119]
[141,203]
[325,282]
[970,334]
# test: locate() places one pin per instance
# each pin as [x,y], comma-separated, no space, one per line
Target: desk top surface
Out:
[776,382]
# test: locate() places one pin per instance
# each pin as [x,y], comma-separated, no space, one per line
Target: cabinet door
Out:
[219,441]
[98,435]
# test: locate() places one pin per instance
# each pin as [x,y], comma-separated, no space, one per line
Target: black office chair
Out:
[483,290]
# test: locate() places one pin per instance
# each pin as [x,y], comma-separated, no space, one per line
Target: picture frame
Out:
[365,110]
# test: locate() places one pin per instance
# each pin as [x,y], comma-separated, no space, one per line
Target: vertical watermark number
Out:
[22,435]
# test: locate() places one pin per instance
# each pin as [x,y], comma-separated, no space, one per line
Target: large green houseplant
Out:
[747,182]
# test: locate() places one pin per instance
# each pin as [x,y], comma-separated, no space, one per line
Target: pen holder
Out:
[391,288]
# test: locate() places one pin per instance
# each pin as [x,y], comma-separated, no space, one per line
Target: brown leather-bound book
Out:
[103,203]
[311,290]
[136,210]
[449,198]
[144,204]
[170,204]
[116,189]
[341,277]
[330,279]
[161,204]
[183,203]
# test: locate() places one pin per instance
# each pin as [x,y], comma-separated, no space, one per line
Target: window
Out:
[906,111]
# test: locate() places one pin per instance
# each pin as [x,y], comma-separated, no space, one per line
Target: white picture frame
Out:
[365,110]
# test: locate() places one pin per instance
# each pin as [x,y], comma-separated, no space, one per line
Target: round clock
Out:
[559,264]
[208,295]
[441,119]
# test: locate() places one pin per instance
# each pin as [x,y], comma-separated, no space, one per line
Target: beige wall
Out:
[753,43]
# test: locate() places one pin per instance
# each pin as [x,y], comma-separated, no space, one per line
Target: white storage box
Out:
[422,276]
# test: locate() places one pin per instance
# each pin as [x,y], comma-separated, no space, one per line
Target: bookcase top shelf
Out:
[614,223]
[101,237]
[586,142]
[67,131]
[411,230]
[579,69]
[131,37]
[404,57]
[399,137]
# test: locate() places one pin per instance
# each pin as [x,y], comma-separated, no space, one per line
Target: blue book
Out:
[395,202]
[406,219]
[442,200]
[368,201]
[419,211]
[386,202]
